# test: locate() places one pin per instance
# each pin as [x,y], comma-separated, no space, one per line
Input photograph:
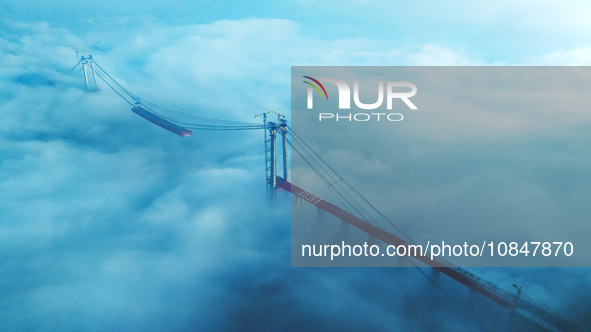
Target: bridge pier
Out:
[319,214]
[435,275]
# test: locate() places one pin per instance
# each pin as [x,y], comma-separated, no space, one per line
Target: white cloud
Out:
[435,55]
[112,220]
[578,56]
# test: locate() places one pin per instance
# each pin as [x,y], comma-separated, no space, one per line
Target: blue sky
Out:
[109,223]
[528,32]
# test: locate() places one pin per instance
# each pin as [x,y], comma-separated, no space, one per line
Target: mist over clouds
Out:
[108,222]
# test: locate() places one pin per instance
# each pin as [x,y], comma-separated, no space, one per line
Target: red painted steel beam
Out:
[389,238]
[457,273]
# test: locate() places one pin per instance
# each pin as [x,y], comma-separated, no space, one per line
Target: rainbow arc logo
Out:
[316,86]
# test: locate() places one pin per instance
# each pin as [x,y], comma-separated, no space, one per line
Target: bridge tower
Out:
[276,129]
[86,64]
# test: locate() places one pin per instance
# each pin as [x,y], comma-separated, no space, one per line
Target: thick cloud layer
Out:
[110,223]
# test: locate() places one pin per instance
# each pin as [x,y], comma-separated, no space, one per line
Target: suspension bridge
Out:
[353,209]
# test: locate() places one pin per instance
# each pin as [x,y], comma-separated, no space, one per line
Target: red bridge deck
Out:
[467,278]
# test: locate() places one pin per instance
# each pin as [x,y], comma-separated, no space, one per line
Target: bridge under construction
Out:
[352,208]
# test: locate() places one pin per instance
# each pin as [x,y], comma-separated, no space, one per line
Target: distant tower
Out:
[86,65]
[275,129]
